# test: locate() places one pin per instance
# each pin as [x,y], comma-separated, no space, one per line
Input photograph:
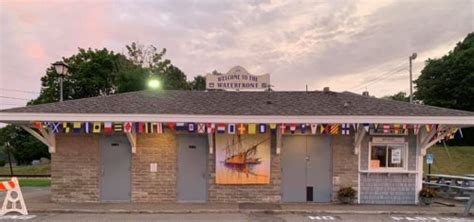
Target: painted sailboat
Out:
[244,159]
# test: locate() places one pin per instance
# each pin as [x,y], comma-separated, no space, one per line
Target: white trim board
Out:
[81,117]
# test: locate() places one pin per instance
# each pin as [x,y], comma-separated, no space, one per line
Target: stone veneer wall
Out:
[75,169]
[385,188]
[344,164]
[159,186]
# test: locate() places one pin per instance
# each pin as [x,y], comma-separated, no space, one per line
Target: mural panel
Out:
[243,159]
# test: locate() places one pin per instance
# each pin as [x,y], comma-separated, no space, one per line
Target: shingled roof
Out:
[276,103]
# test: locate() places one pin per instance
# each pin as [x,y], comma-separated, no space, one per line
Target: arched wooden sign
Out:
[237,78]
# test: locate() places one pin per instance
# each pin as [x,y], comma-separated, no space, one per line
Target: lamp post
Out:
[411,58]
[62,70]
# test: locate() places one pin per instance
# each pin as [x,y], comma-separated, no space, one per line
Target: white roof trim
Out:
[80,117]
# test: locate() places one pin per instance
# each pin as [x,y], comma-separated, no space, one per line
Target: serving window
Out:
[387,156]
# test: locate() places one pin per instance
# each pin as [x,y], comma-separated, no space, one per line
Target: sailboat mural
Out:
[243,159]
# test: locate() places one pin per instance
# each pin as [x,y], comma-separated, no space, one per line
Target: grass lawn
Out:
[460,163]
[34,182]
[26,170]
[29,170]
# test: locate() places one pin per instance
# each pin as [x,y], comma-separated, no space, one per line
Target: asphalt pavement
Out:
[230,217]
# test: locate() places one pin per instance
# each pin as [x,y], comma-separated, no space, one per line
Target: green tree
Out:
[400,96]
[151,59]
[92,73]
[97,72]
[449,81]
[199,83]
[174,78]
[148,57]
[23,148]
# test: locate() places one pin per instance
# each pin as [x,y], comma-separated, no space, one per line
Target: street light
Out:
[154,83]
[411,58]
[62,69]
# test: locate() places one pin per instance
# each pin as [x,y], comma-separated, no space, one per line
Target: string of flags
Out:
[234,128]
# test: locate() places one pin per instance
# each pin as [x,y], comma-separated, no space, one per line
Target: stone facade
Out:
[158,186]
[344,164]
[75,169]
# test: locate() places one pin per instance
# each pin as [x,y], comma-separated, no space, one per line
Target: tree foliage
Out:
[24,148]
[199,83]
[148,57]
[92,73]
[449,81]
[99,72]
[400,96]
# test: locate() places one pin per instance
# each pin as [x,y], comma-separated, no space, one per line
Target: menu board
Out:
[396,156]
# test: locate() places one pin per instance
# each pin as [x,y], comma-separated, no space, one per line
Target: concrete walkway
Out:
[38,201]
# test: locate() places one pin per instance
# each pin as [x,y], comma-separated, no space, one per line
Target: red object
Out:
[282,128]
[141,127]
[292,128]
[211,128]
[386,128]
[38,125]
[127,127]
[171,126]
[4,186]
[327,129]
[108,129]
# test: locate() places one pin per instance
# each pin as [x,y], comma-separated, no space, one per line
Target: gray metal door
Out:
[192,168]
[306,169]
[115,168]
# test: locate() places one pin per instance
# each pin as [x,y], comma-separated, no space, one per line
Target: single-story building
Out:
[220,146]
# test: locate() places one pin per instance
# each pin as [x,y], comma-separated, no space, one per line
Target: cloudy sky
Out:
[346,45]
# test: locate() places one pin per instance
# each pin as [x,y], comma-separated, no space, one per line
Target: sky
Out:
[345,45]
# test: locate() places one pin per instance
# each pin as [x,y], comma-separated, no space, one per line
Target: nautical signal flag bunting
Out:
[233,128]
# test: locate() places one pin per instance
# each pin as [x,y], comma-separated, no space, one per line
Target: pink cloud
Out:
[35,51]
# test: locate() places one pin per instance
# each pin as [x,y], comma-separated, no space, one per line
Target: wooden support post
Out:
[45,136]
[210,138]
[278,142]
[132,138]
[358,138]
[433,137]
[51,139]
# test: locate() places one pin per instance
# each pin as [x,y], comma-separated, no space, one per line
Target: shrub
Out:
[347,192]
[427,192]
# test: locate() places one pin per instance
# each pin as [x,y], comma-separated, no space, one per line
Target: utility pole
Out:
[411,58]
